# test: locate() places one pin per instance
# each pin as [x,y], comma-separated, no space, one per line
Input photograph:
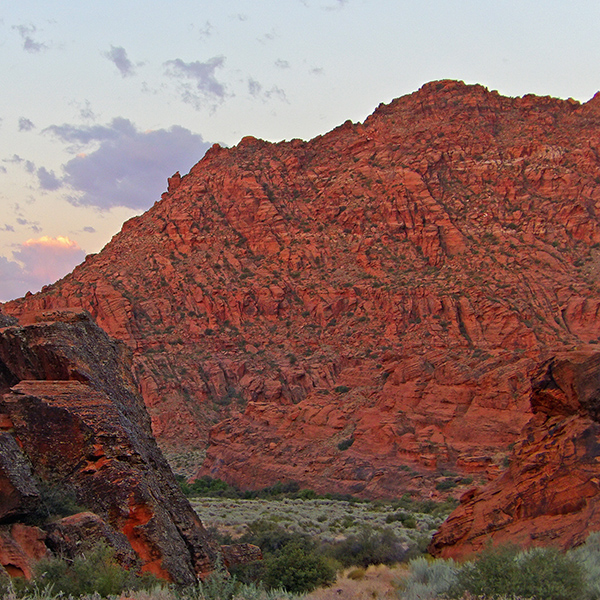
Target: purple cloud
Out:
[197,80]
[254,87]
[118,56]
[29,44]
[15,158]
[25,124]
[256,91]
[84,134]
[47,179]
[129,167]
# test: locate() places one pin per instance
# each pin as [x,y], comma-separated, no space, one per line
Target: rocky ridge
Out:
[74,429]
[361,312]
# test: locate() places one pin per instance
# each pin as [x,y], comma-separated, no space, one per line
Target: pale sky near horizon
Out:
[101,102]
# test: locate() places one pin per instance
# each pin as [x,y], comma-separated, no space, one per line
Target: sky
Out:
[100,102]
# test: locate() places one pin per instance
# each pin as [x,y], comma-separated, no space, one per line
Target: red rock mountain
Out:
[361,312]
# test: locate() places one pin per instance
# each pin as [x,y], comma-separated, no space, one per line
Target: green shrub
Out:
[588,557]
[96,572]
[291,560]
[446,484]
[297,569]
[341,389]
[406,519]
[345,444]
[428,579]
[369,547]
[543,573]
[56,501]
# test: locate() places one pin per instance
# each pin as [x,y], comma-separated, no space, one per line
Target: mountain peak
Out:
[387,288]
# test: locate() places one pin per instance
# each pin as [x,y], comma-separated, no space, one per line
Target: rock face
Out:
[549,494]
[363,311]
[71,420]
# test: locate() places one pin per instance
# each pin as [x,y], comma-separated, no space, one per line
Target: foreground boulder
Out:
[73,425]
[550,493]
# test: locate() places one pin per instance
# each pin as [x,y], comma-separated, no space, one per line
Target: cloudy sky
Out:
[101,101]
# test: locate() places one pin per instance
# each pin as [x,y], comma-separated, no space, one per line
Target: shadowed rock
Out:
[73,409]
[550,493]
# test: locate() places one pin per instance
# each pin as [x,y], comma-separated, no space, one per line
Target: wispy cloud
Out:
[268,37]
[128,167]
[197,80]
[205,31]
[25,124]
[29,43]
[282,64]
[256,90]
[337,5]
[118,56]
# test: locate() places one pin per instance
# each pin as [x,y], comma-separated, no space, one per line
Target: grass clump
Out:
[428,579]
[357,574]
[95,572]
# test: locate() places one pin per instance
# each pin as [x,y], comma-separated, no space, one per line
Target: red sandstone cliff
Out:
[71,420]
[549,494]
[390,284]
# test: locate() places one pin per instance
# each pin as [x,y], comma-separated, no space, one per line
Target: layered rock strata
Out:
[361,312]
[550,493]
[71,421]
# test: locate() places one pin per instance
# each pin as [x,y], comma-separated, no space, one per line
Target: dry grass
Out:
[378,583]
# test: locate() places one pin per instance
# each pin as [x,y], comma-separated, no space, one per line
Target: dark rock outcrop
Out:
[550,493]
[72,418]
[70,536]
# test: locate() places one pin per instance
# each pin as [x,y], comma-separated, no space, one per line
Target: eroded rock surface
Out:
[362,311]
[550,493]
[71,418]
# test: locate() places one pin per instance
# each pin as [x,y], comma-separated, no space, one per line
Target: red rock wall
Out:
[549,495]
[394,282]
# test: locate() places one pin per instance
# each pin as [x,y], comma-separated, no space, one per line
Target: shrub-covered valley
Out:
[334,345]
